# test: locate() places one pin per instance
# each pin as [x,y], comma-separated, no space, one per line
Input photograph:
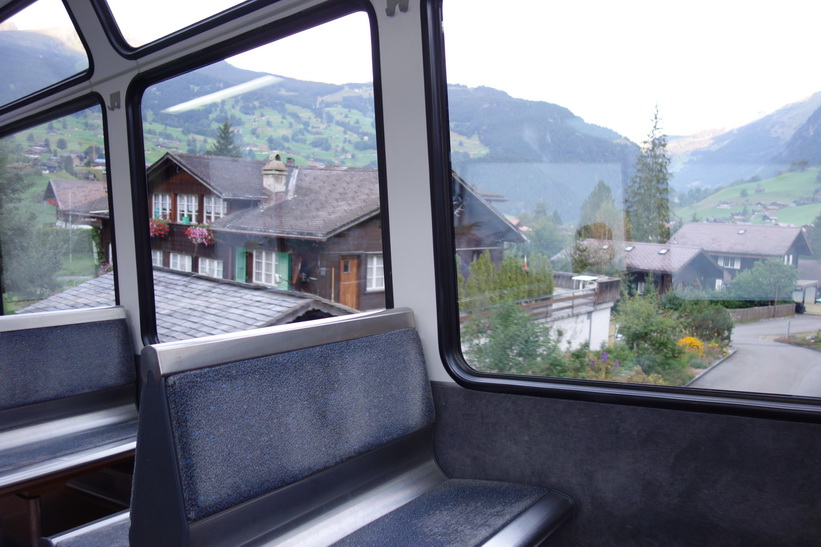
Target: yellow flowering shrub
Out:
[691,343]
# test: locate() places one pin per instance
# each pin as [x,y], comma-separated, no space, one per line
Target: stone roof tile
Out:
[190,306]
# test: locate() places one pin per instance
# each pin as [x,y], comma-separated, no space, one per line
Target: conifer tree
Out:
[646,200]
[224,145]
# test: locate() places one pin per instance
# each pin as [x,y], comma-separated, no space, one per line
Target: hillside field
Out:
[795,190]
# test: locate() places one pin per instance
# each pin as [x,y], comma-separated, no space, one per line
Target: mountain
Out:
[805,144]
[760,149]
[535,151]
[33,61]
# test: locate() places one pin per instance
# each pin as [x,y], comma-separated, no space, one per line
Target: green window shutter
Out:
[284,270]
[240,272]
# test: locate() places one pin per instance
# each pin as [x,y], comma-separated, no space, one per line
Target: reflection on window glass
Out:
[39,47]
[263,188]
[628,209]
[140,25]
[55,229]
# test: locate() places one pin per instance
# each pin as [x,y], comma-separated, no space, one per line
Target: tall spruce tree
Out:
[646,199]
[224,145]
[600,196]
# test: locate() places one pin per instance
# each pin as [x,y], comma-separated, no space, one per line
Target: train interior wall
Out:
[641,476]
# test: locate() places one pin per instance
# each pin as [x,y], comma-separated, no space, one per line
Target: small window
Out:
[731,262]
[162,206]
[376,274]
[215,208]
[180,262]
[210,267]
[265,268]
[157,258]
[187,205]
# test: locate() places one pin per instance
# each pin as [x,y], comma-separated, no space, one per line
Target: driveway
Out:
[760,364]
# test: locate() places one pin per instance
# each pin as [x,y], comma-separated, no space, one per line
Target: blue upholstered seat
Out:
[310,433]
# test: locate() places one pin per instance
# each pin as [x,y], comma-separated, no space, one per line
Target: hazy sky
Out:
[706,63]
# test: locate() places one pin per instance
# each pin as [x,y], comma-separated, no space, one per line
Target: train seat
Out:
[67,398]
[310,435]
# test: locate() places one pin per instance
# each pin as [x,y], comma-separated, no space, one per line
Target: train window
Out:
[139,26]
[631,197]
[55,228]
[263,188]
[52,53]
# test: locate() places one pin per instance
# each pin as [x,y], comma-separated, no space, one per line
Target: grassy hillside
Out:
[795,190]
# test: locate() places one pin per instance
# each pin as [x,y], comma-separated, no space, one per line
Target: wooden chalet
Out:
[669,266]
[311,229]
[737,247]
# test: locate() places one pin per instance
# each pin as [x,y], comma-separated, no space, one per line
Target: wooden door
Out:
[349,281]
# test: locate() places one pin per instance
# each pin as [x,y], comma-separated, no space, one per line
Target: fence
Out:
[762,312]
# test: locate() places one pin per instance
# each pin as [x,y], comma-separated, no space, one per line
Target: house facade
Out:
[82,203]
[737,247]
[310,229]
[668,266]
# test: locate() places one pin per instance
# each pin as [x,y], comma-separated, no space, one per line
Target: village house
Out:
[669,266]
[311,229]
[737,247]
[82,203]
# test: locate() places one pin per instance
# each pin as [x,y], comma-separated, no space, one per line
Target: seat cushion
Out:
[454,512]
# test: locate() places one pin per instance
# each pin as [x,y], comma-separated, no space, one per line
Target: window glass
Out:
[156,258]
[162,206]
[55,227]
[210,267]
[39,47]
[180,262]
[140,25]
[265,267]
[187,208]
[625,208]
[376,273]
[215,208]
[262,171]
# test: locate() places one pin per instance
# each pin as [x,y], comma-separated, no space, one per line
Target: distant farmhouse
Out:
[81,203]
[737,247]
[315,230]
[668,266]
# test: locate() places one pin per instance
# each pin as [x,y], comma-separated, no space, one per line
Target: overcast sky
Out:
[706,63]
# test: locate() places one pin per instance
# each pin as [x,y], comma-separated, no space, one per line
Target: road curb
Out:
[711,367]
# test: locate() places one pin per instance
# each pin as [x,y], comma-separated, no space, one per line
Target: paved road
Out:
[762,365]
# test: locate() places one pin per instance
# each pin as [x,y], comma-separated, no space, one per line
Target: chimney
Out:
[275,177]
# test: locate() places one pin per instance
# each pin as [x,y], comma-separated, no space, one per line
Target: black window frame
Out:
[761,405]
[60,111]
[265,34]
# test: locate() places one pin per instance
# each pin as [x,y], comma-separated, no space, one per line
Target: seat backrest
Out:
[52,355]
[299,399]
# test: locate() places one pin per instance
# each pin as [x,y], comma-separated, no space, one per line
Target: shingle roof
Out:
[81,196]
[651,257]
[230,178]
[742,239]
[322,202]
[190,306]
